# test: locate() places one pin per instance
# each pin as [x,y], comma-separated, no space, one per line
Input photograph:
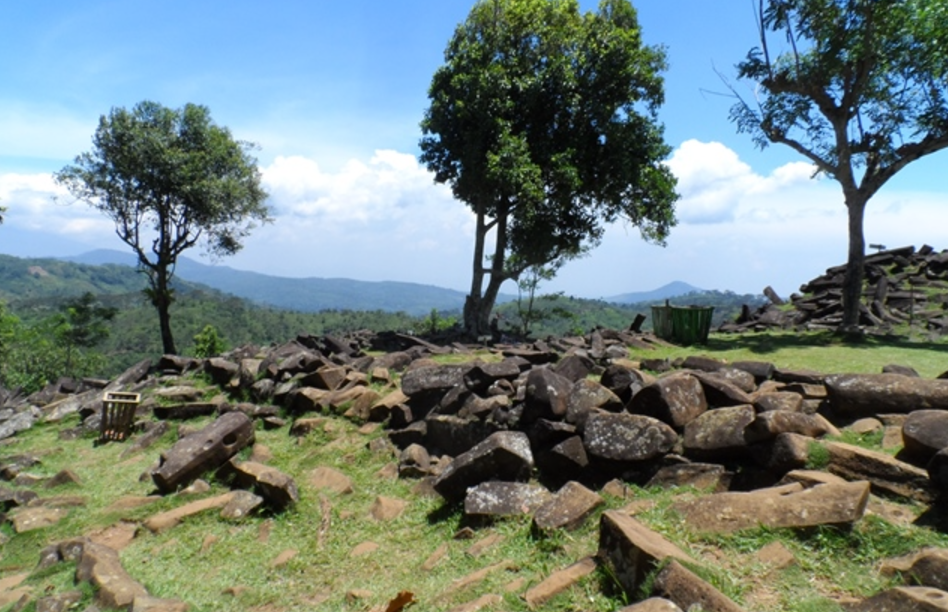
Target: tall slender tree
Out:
[169,179]
[543,121]
[859,88]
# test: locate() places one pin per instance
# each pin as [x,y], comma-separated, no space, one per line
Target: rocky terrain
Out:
[545,429]
[904,287]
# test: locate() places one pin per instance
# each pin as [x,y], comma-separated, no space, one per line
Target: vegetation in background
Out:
[208,343]
[169,179]
[544,121]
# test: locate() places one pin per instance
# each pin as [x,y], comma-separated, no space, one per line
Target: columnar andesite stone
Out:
[631,550]
[205,450]
[627,437]
[860,395]
[504,455]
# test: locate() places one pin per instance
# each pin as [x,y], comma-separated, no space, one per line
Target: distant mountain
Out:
[671,290]
[302,294]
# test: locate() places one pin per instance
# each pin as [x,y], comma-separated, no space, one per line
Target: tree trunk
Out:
[477,305]
[472,303]
[852,281]
[162,301]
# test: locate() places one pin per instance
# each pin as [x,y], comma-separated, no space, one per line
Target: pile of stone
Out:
[542,430]
[904,286]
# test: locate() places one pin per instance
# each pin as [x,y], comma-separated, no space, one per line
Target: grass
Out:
[206,560]
[817,351]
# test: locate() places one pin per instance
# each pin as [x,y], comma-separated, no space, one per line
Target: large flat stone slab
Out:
[786,506]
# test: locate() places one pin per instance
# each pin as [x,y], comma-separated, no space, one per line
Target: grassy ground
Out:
[219,565]
[818,351]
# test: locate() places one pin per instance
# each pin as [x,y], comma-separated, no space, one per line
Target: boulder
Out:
[435,379]
[905,599]
[504,455]
[627,437]
[779,400]
[886,474]
[452,435]
[276,488]
[924,433]
[719,434]
[100,566]
[205,450]
[547,394]
[721,392]
[480,377]
[938,471]
[689,592]
[587,395]
[676,399]
[623,381]
[493,499]
[770,424]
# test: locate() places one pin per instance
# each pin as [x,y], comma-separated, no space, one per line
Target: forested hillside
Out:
[38,299]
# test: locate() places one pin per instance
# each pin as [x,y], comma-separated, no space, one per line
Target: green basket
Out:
[682,325]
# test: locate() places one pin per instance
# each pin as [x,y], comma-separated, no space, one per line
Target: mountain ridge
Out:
[314,293]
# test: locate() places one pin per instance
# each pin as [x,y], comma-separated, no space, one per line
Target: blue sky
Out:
[333,93]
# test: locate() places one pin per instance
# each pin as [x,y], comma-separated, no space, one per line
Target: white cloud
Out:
[717,187]
[383,218]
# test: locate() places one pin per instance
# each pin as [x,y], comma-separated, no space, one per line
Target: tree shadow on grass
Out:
[763,343]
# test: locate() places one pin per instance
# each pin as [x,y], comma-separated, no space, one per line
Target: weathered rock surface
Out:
[861,395]
[676,399]
[203,451]
[681,586]
[491,499]
[504,455]
[627,437]
[787,506]
[568,508]
[631,550]
[100,566]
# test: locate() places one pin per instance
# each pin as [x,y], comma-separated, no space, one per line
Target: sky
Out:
[333,93]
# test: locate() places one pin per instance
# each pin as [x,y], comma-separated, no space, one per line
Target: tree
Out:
[543,121]
[860,91]
[82,324]
[169,179]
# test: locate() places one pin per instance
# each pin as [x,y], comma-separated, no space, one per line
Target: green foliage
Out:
[817,456]
[173,172]
[529,310]
[208,343]
[34,354]
[436,323]
[543,120]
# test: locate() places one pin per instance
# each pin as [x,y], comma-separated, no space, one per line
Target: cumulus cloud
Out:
[717,187]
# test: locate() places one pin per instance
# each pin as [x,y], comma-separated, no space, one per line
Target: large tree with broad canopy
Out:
[858,87]
[543,120]
[169,179]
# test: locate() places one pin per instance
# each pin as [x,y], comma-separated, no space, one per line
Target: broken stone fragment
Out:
[786,506]
[678,584]
[627,437]
[630,550]
[504,455]
[568,508]
[203,451]
[492,499]
[278,489]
